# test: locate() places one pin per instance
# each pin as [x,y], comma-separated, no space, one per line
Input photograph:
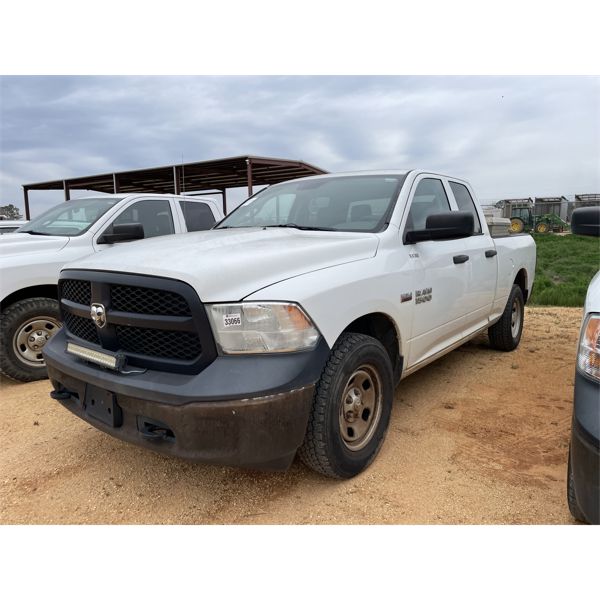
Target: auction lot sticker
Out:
[232,319]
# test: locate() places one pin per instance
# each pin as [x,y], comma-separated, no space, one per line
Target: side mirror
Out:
[123,232]
[586,221]
[443,226]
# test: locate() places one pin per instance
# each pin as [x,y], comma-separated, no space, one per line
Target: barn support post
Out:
[26,199]
[176,181]
[249,173]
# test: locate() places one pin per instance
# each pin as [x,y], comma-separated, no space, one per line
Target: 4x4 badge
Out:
[98,313]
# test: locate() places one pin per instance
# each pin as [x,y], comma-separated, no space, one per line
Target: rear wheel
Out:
[351,408]
[506,333]
[517,225]
[25,328]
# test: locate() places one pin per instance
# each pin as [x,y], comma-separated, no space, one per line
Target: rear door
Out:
[482,265]
[440,282]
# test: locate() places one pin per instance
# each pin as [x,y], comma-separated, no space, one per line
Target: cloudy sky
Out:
[509,136]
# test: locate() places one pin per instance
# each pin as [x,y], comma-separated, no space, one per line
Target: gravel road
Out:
[477,437]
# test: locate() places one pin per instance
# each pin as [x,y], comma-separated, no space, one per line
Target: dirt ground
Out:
[477,437]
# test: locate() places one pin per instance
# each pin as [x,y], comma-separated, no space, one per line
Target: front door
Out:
[440,282]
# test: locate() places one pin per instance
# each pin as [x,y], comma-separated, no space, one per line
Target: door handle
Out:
[460,258]
[490,253]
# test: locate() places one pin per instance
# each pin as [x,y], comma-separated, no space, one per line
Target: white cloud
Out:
[511,136]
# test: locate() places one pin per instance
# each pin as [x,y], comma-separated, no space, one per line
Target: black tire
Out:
[571,497]
[355,357]
[503,336]
[543,227]
[19,361]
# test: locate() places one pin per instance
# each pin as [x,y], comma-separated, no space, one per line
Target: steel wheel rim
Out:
[360,407]
[515,318]
[31,337]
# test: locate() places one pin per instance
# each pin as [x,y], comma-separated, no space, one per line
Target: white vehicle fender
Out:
[335,297]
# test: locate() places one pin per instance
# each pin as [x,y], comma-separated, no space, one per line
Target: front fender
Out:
[337,296]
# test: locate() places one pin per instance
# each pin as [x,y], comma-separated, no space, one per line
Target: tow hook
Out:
[154,430]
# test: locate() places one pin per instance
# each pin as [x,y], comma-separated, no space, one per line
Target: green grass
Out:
[565,266]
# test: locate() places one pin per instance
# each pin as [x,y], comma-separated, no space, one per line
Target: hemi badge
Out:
[406,297]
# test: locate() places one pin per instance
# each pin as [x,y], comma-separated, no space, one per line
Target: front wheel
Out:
[505,334]
[351,408]
[542,227]
[25,328]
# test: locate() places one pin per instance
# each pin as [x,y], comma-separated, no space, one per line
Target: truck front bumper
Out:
[249,411]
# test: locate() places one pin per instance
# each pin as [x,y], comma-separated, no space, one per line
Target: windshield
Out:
[70,218]
[356,203]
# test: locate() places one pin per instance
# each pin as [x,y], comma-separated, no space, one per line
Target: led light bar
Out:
[100,358]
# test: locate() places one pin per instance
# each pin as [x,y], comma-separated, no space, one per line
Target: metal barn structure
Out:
[201,178]
[556,205]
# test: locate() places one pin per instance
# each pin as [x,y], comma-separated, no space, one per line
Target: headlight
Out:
[253,327]
[588,357]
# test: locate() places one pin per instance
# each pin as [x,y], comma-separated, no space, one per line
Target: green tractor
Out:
[522,219]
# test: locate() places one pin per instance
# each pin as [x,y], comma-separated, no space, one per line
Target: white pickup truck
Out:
[286,328]
[31,259]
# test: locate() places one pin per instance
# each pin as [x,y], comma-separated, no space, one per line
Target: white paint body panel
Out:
[338,277]
[31,260]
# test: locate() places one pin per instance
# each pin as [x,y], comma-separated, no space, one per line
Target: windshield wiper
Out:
[32,232]
[235,226]
[302,227]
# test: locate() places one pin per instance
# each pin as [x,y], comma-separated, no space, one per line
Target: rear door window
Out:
[198,215]
[465,202]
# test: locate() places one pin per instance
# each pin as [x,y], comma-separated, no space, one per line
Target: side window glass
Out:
[198,215]
[154,216]
[430,198]
[465,202]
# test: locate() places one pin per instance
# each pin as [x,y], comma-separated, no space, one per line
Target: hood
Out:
[228,264]
[12,244]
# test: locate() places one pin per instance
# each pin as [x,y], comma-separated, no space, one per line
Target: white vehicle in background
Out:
[32,257]
[9,226]
[286,327]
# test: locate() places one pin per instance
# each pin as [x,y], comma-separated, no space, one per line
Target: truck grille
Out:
[82,328]
[180,342]
[77,291]
[156,342]
[146,300]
